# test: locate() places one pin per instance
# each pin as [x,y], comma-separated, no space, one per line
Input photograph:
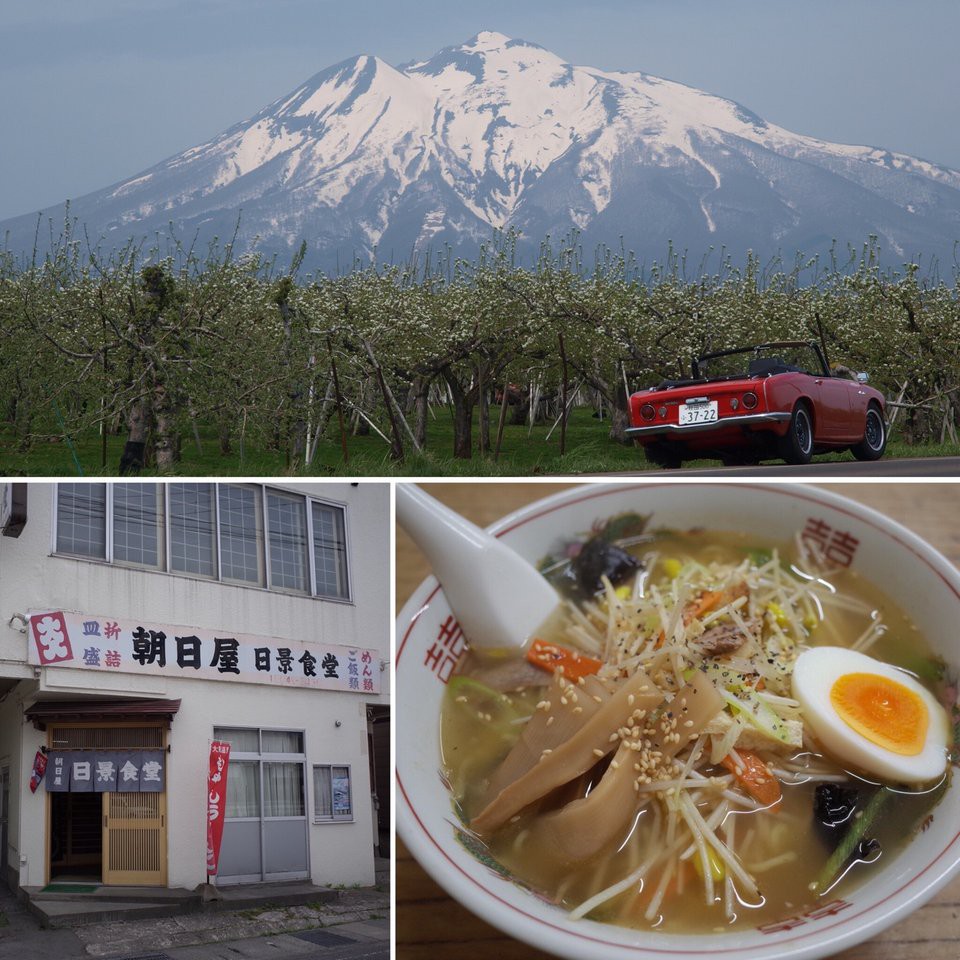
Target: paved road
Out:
[905,467]
[354,927]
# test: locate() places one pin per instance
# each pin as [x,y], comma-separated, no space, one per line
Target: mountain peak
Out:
[498,132]
[487,40]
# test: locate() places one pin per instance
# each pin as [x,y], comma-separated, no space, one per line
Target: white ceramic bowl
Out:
[915,575]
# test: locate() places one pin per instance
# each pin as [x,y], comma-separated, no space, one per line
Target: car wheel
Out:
[664,455]
[797,446]
[874,440]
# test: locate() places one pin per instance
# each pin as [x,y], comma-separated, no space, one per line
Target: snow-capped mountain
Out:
[502,133]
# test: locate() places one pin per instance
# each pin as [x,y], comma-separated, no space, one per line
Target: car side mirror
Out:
[863,377]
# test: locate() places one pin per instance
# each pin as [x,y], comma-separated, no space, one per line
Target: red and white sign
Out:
[216,802]
[39,769]
[51,639]
[88,642]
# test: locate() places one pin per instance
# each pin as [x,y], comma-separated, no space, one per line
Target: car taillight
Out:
[647,411]
[749,400]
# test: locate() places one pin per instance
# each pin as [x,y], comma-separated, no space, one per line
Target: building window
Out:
[254,768]
[241,534]
[137,524]
[81,519]
[193,529]
[288,542]
[332,793]
[236,533]
[329,550]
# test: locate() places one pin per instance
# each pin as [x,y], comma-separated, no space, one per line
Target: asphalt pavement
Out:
[354,927]
[901,467]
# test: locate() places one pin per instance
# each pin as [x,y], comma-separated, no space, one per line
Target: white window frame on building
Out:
[301,542]
[252,841]
[333,816]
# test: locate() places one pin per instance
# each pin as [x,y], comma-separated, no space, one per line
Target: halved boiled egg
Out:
[871,714]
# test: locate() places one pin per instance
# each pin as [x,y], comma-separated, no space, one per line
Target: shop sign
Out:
[216,801]
[106,645]
[105,771]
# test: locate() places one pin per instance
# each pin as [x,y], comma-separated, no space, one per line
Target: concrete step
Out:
[248,896]
[56,914]
[126,894]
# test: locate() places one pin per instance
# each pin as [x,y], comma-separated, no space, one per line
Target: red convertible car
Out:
[755,403]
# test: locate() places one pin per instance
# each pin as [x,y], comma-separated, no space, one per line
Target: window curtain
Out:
[322,793]
[283,790]
[282,741]
[243,789]
[241,740]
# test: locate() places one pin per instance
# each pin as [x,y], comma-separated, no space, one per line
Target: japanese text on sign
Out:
[102,643]
[113,771]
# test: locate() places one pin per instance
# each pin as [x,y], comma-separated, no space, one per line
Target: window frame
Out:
[163,534]
[263,574]
[261,757]
[333,818]
[168,525]
[262,490]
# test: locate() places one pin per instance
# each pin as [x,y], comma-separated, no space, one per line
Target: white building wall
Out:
[31,578]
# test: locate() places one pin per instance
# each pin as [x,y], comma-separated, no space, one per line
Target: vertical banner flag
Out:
[39,768]
[216,802]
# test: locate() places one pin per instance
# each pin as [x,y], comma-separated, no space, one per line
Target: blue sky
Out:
[96,90]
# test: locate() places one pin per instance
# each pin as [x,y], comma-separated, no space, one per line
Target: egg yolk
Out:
[885,712]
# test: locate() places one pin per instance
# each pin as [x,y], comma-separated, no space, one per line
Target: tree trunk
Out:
[462,416]
[484,404]
[165,447]
[619,413]
[563,398]
[421,409]
[225,436]
[296,424]
[133,457]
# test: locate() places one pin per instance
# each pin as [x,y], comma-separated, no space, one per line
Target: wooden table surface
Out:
[432,926]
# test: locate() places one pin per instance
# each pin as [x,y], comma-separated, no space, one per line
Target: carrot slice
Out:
[701,604]
[755,777]
[550,656]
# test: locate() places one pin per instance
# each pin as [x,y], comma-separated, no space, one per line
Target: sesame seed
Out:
[461,699]
[597,752]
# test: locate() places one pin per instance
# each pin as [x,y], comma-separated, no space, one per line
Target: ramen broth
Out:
[782,849]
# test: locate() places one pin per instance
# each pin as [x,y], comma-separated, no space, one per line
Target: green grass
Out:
[523,453]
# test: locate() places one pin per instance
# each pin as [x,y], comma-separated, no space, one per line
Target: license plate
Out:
[691,413]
